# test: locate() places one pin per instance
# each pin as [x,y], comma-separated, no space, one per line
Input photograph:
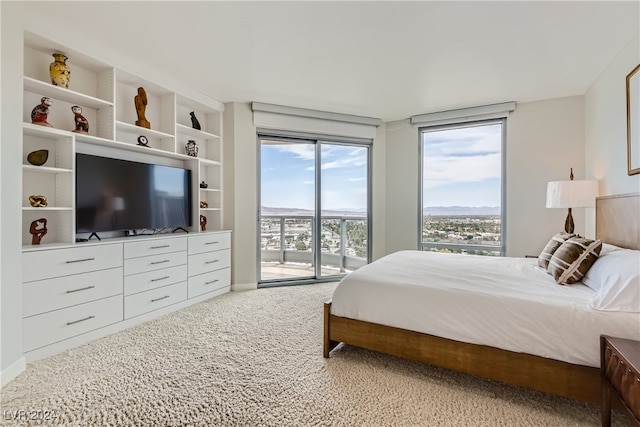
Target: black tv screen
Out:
[114,194]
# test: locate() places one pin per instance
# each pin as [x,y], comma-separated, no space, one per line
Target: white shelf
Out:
[56,92]
[195,133]
[129,128]
[213,190]
[210,209]
[208,162]
[48,208]
[45,169]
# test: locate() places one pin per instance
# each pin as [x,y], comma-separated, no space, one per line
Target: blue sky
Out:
[288,176]
[462,167]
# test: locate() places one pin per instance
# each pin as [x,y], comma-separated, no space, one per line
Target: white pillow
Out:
[615,278]
[606,248]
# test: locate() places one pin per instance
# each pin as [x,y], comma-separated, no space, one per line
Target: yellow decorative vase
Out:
[60,71]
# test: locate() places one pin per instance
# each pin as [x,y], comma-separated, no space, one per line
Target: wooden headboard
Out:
[618,220]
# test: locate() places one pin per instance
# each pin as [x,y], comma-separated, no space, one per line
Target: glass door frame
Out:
[318,143]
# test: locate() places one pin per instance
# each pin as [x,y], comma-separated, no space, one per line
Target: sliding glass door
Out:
[314,209]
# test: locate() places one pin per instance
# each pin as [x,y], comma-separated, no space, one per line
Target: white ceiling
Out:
[388,60]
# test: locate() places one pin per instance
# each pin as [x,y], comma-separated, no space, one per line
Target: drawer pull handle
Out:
[161,298]
[211,262]
[211,281]
[212,243]
[81,320]
[160,262]
[159,247]
[160,278]
[80,289]
[80,260]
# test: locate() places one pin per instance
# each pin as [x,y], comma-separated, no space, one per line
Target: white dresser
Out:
[209,264]
[67,292]
[71,295]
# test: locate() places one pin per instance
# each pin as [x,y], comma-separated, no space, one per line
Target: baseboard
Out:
[240,287]
[8,374]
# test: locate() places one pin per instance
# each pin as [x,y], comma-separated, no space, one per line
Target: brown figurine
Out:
[140,101]
[82,124]
[203,223]
[40,112]
[37,231]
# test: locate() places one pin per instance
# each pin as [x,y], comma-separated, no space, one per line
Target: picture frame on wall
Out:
[633,121]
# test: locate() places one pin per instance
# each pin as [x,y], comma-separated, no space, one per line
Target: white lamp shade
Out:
[572,194]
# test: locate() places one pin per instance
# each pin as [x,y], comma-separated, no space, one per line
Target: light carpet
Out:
[255,359]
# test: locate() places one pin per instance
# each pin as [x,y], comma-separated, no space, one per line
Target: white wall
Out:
[606,128]
[11,359]
[544,140]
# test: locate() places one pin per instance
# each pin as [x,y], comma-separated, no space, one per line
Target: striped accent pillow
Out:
[555,242]
[571,261]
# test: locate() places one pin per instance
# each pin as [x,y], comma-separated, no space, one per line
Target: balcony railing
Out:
[287,240]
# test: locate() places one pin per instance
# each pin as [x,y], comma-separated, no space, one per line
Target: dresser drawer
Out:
[52,294]
[207,282]
[154,279]
[154,247]
[209,242]
[155,262]
[143,302]
[210,261]
[40,265]
[47,328]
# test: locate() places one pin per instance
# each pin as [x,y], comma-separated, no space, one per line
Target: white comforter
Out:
[508,303]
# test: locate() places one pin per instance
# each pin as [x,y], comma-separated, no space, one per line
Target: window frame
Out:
[502,249]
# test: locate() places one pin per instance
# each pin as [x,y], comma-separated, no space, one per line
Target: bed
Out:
[539,334]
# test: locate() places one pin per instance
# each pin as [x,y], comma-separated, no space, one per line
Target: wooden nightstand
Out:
[620,370]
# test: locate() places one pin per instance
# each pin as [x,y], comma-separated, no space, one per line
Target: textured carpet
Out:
[255,359]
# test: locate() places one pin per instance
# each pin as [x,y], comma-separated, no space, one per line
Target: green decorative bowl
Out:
[38,157]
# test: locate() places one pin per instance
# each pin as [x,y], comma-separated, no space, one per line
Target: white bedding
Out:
[508,303]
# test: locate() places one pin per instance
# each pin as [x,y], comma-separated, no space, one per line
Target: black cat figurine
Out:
[194,121]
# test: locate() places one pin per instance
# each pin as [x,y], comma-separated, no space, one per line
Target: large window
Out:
[462,209]
[314,209]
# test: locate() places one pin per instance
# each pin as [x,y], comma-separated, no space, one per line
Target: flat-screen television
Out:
[114,194]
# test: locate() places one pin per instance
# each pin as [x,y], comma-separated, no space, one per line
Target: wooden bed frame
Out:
[616,223]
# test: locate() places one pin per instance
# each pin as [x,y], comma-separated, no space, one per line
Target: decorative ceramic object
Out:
[38,157]
[40,112]
[38,201]
[140,101]
[82,124]
[142,140]
[37,230]
[194,121]
[60,71]
[204,185]
[204,205]
[191,148]
[203,223]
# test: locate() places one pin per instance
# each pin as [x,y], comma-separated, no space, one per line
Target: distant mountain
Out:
[461,210]
[429,210]
[267,210]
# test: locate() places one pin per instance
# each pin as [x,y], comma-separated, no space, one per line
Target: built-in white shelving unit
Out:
[74,292]
[106,95]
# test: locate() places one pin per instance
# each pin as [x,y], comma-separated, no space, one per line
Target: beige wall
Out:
[545,140]
[534,130]
[606,128]
[241,192]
